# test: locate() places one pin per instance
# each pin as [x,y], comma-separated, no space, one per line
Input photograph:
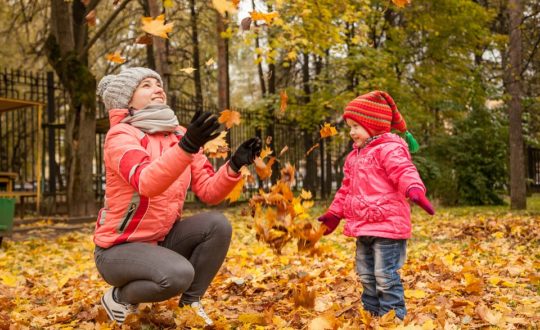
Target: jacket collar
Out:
[379,139]
[116,115]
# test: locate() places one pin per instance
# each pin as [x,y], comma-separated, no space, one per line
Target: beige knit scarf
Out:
[152,119]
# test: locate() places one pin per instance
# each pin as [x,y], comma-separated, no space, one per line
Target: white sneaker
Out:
[198,307]
[116,311]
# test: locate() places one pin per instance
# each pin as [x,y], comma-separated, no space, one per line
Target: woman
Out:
[145,249]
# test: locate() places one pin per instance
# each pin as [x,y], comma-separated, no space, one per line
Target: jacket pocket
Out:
[366,210]
[132,208]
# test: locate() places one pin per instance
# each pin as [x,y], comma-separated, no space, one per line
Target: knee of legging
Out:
[178,280]
[221,224]
[366,278]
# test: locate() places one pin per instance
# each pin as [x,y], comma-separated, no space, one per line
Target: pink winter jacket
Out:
[372,198]
[147,179]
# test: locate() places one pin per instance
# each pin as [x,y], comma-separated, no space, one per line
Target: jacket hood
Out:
[116,115]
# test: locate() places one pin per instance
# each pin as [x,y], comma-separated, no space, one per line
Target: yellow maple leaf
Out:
[210,62]
[9,280]
[218,147]
[283,97]
[418,294]
[328,130]
[306,194]
[168,3]
[267,17]
[157,26]
[401,3]
[224,6]
[229,118]
[236,192]
[115,57]
[188,70]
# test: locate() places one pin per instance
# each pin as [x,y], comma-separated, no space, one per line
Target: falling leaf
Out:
[311,149]
[303,296]
[306,194]
[268,140]
[328,130]
[157,26]
[283,101]
[91,18]
[267,17]
[210,62]
[188,70]
[287,174]
[115,57]
[284,150]
[264,170]
[218,147]
[236,192]
[224,6]
[229,118]
[144,39]
[246,23]
[168,3]
[401,3]
[265,152]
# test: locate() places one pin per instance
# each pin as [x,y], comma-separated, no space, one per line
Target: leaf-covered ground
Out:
[466,269]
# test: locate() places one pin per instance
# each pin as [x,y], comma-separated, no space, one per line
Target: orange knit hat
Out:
[376,112]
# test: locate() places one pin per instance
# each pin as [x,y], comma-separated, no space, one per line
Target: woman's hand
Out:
[200,130]
[246,153]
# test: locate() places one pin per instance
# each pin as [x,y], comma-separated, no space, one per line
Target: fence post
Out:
[51,136]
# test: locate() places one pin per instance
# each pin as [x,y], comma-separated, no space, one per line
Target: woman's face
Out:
[358,133]
[148,92]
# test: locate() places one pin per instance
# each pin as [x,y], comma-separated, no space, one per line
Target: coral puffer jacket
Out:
[372,198]
[147,179]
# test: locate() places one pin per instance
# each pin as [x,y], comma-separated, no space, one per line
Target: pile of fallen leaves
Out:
[465,270]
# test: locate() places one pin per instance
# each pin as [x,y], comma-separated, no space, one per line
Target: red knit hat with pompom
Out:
[376,112]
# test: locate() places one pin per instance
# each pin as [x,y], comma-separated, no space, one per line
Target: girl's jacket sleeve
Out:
[400,169]
[339,200]
[211,187]
[132,162]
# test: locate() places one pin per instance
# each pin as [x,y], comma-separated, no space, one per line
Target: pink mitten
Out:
[331,221]
[418,196]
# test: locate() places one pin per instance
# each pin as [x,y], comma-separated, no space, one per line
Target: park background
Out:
[465,75]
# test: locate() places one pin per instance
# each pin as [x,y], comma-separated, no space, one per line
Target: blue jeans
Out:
[378,260]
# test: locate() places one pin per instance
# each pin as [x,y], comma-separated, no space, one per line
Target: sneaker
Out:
[198,308]
[116,311]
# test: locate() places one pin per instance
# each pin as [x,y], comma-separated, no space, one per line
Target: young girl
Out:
[145,249]
[379,176]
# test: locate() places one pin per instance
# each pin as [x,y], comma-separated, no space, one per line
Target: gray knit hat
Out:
[116,90]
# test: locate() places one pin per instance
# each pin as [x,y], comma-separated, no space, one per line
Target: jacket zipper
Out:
[128,216]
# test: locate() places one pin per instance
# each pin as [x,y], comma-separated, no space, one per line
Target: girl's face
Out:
[147,93]
[358,133]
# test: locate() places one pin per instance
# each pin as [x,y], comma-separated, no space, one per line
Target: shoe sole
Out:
[109,312]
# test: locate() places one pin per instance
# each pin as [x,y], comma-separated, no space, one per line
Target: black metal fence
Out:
[533,161]
[19,129]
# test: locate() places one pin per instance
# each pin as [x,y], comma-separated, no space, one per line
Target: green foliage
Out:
[469,167]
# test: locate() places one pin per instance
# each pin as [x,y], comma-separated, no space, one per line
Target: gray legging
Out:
[185,262]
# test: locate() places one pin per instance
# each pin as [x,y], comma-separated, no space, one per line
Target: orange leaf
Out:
[223,6]
[91,18]
[263,170]
[265,152]
[283,100]
[236,192]
[267,17]
[218,147]
[157,26]
[115,57]
[311,149]
[284,150]
[328,130]
[401,3]
[229,118]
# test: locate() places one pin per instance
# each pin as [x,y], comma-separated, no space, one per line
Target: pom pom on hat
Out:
[116,90]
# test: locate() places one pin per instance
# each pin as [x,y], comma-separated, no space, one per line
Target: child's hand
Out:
[418,196]
[331,221]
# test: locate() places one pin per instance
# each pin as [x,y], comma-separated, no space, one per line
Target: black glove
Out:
[246,153]
[199,131]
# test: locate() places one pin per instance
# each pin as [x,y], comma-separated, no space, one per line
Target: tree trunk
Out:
[196,58]
[223,64]
[159,47]
[68,37]
[513,86]
[310,181]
